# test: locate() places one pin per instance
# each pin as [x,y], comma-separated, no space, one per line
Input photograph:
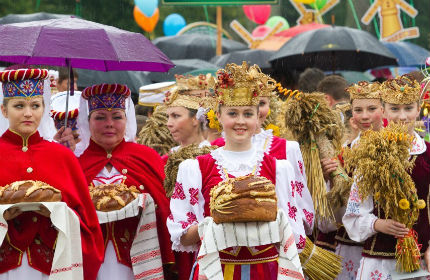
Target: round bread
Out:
[243,199]
[29,191]
[111,197]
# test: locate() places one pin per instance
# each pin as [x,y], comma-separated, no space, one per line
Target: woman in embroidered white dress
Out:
[400,104]
[280,148]
[238,114]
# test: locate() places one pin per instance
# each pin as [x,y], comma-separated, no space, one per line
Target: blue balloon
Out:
[147,7]
[172,24]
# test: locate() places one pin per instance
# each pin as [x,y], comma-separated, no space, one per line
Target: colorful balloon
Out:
[173,23]
[146,23]
[273,21]
[261,31]
[319,4]
[257,13]
[305,1]
[147,7]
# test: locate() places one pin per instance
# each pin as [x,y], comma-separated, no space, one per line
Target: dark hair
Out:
[334,86]
[309,79]
[63,74]
[192,113]
[143,110]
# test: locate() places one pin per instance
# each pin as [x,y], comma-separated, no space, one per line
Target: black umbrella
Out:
[182,66]
[194,46]
[15,18]
[252,56]
[333,48]
[133,79]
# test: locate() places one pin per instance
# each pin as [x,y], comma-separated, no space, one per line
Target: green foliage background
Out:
[119,13]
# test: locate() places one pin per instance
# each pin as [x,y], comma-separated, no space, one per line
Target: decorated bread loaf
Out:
[243,199]
[29,191]
[111,197]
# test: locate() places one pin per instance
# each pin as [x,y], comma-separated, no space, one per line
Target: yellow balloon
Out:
[305,1]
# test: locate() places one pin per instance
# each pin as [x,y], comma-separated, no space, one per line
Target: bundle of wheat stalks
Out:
[380,163]
[155,133]
[175,158]
[319,130]
[319,264]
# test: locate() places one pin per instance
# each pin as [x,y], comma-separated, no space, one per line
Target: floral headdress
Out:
[239,85]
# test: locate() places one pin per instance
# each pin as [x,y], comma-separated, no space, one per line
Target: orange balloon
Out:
[146,23]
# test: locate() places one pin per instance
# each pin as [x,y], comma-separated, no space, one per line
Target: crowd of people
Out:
[143,210]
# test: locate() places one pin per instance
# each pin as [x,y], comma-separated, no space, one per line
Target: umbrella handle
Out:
[70,91]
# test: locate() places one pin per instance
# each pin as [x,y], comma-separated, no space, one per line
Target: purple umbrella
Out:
[79,43]
[74,42]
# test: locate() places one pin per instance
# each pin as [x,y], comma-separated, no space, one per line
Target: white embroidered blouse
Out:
[187,203]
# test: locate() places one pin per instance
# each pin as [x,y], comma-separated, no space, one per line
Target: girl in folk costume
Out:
[31,239]
[281,149]
[184,108]
[237,91]
[58,114]
[107,127]
[186,116]
[364,221]
[366,106]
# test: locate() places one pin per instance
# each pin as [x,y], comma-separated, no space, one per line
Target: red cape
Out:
[144,167]
[56,165]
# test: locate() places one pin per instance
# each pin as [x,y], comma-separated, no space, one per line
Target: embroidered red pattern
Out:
[299,188]
[191,217]
[292,210]
[290,273]
[64,269]
[301,166]
[302,242]
[146,256]
[288,243]
[194,196]
[147,226]
[148,272]
[293,188]
[309,216]
[178,193]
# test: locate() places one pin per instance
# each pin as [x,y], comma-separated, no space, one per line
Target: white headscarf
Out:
[46,127]
[84,127]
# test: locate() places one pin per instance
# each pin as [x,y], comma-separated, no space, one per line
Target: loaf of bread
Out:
[111,197]
[243,199]
[29,191]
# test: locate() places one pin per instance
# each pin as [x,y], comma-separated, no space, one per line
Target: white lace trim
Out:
[222,162]
[260,140]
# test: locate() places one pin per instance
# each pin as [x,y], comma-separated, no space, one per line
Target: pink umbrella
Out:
[296,30]
[74,42]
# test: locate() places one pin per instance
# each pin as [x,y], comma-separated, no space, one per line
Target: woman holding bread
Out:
[237,93]
[35,170]
[112,161]
[277,147]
